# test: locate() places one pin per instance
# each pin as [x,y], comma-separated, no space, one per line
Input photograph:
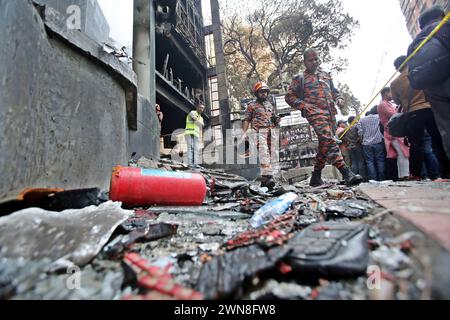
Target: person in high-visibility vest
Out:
[194,128]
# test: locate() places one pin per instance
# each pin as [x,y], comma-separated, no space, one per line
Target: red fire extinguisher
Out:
[146,187]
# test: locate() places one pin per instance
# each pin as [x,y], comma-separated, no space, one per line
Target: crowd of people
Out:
[370,149]
[421,92]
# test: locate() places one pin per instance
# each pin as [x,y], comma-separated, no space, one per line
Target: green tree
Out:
[266,40]
[352,104]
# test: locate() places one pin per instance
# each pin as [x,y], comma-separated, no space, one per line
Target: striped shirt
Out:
[369,130]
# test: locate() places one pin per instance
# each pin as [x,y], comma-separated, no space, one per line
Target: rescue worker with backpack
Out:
[314,94]
[261,115]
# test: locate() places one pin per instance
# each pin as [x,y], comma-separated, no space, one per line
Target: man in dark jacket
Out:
[428,20]
[420,118]
[430,67]
[429,70]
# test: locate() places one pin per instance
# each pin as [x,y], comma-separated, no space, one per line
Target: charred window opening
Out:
[165,10]
[180,63]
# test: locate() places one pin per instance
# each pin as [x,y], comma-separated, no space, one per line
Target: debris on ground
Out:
[330,242]
[76,235]
[52,199]
[273,209]
[330,250]
[156,279]
[151,232]
[224,274]
[347,208]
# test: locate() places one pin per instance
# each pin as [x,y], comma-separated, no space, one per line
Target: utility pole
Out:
[220,66]
[144,48]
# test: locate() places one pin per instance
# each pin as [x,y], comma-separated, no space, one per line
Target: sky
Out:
[119,14]
[381,38]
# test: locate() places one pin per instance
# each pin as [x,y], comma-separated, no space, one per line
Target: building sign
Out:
[298,145]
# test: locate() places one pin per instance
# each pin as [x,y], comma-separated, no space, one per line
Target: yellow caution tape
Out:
[438,27]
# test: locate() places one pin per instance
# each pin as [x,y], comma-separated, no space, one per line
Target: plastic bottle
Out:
[272,210]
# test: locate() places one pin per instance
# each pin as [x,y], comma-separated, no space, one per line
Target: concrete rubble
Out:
[333,243]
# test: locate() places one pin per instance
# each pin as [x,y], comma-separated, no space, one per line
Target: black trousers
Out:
[439,97]
[419,121]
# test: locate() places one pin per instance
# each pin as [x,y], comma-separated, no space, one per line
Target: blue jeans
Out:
[192,150]
[430,167]
[426,144]
[375,156]
[358,162]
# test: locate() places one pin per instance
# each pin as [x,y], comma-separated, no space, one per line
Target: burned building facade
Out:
[413,8]
[189,65]
[72,109]
[180,61]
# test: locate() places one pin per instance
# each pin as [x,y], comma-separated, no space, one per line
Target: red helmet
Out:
[260,86]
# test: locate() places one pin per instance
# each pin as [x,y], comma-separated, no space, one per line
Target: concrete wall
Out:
[93,22]
[146,140]
[65,112]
